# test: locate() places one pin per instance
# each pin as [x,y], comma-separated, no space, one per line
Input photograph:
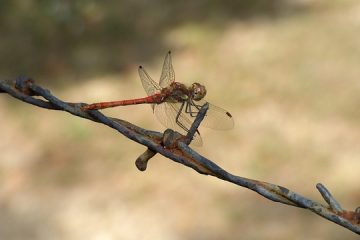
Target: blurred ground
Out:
[286,70]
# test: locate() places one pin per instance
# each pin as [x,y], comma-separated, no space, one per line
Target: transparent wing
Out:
[167,74]
[216,117]
[166,114]
[149,85]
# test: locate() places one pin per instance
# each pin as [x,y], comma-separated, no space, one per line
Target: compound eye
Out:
[196,94]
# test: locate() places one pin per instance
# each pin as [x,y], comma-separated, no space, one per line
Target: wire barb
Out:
[142,161]
[175,147]
[334,205]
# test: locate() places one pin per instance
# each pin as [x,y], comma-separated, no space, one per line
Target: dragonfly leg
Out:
[190,111]
[187,107]
[193,112]
[178,116]
[198,106]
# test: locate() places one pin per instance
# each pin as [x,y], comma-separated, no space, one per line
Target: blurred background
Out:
[287,70]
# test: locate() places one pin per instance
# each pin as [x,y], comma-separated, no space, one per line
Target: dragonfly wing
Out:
[166,114]
[168,73]
[217,118]
[149,85]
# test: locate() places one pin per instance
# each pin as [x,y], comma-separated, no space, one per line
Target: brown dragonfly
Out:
[174,104]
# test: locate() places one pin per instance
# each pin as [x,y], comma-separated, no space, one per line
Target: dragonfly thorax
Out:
[198,91]
[178,92]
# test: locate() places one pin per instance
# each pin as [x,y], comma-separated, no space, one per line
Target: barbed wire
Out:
[175,146]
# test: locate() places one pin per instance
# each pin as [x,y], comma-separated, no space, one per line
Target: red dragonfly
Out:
[174,104]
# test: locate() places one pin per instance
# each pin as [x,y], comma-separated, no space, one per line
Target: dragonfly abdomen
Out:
[153,99]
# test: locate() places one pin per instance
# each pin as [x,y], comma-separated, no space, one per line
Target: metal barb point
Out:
[142,161]
[334,205]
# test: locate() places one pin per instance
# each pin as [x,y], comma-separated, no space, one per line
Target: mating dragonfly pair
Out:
[174,104]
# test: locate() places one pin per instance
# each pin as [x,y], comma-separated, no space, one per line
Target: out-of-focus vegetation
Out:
[287,71]
[89,37]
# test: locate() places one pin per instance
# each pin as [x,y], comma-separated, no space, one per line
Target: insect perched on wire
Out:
[174,104]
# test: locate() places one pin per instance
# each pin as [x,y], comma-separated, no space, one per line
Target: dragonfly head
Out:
[198,91]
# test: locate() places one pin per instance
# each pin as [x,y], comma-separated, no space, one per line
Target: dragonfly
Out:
[174,104]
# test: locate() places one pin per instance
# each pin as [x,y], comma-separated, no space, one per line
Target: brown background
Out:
[288,71]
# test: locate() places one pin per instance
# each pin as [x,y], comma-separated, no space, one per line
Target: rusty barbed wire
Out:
[175,146]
